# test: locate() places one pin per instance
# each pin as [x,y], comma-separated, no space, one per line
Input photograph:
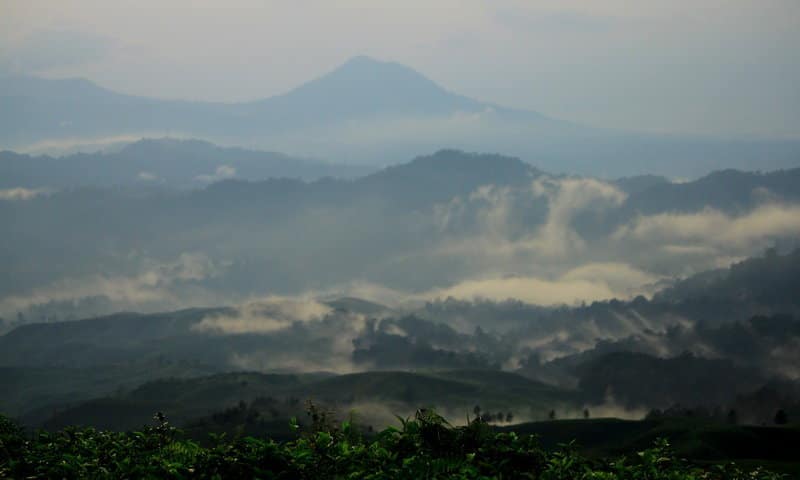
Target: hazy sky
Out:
[707,66]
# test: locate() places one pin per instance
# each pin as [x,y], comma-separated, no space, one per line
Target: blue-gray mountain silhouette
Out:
[369,111]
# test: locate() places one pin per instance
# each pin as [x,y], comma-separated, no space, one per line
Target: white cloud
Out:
[567,198]
[89,144]
[501,230]
[590,282]
[494,232]
[264,316]
[147,176]
[331,332]
[156,286]
[713,229]
[221,173]
[20,193]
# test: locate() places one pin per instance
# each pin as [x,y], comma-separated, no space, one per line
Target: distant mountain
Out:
[431,179]
[727,190]
[36,109]
[367,111]
[162,162]
[365,87]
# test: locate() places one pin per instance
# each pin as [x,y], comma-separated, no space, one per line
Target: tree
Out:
[552,415]
[733,417]
[653,414]
[586,413]
[781,418]
[477,411]
[509,417]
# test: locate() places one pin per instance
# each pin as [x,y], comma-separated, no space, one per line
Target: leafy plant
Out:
[425,446]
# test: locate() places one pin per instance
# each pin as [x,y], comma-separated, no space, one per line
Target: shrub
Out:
[425,446]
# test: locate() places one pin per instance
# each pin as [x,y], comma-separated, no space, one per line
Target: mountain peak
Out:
[363,71]
[368,86]
[365,63]
[364,60]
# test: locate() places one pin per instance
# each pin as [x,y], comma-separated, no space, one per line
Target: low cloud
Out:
[147,177]
[711,228]
[596,281]
[264,316]
[609,409]
[681,244]
[555,241]
[531,231]
[567,198]
[156,286]
[560,227]
[308,334]
[21,193]
[70,145]
[221,173]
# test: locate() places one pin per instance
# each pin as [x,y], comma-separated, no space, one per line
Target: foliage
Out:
[425,446]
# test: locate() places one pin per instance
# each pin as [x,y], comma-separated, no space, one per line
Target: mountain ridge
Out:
[367,111]
[162,162]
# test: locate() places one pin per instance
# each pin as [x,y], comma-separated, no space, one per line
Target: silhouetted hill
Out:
[364,87]
[640,380]
[161,163]
[445,174]
[640,183]
[726,190]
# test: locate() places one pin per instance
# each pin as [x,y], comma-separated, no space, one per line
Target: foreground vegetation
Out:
[424,447]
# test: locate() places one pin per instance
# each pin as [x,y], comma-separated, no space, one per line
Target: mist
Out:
[577,222]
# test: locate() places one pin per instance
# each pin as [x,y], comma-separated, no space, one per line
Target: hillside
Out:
[772,280]
[161,163]
[605,350]
[375,396]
